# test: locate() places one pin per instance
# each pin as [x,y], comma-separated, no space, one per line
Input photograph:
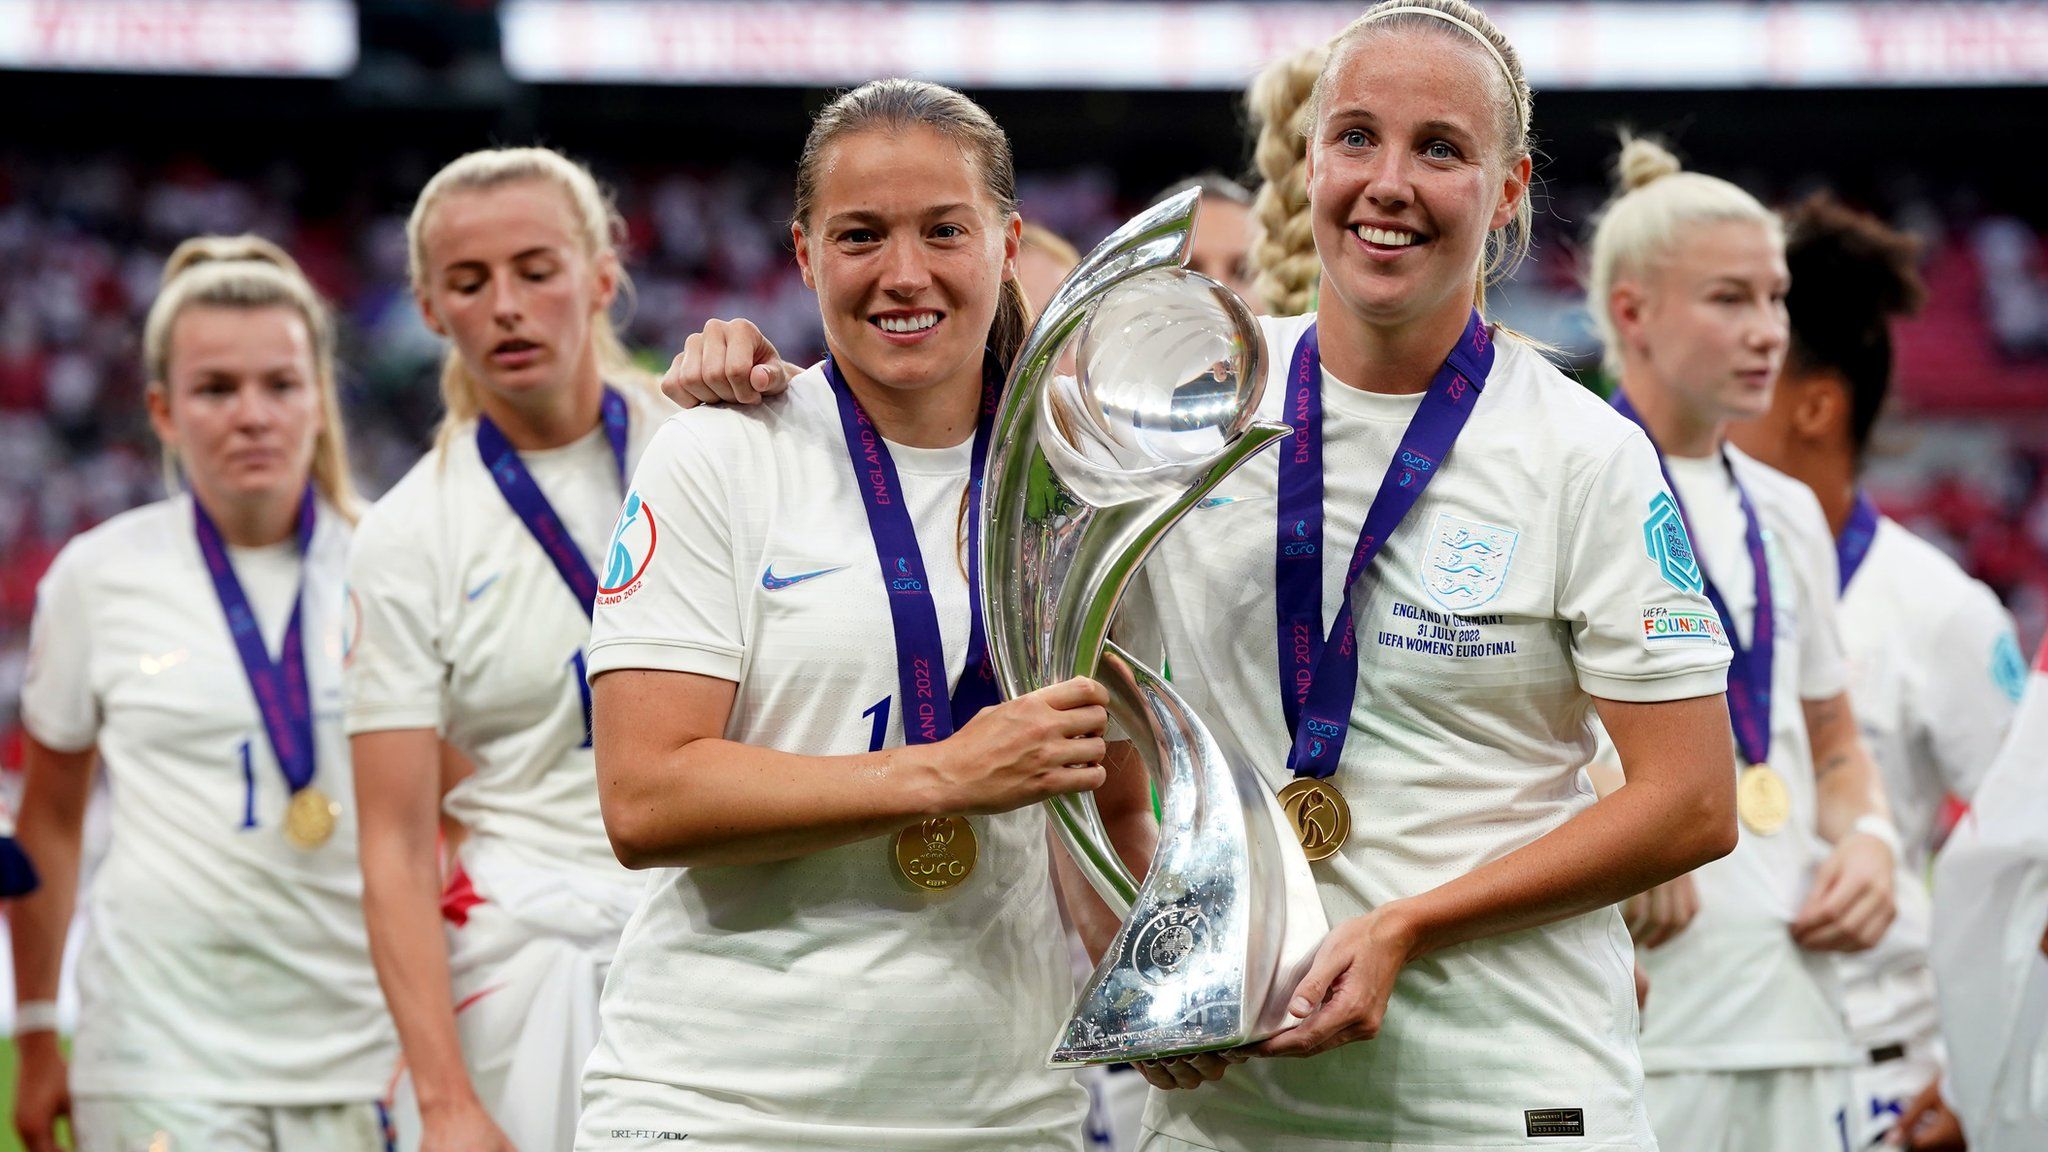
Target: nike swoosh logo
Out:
[1216,501]
[774,583]
[484,587]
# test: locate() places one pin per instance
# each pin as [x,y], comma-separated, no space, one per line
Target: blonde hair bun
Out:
[224,250]
[1644,160]
[1657,205]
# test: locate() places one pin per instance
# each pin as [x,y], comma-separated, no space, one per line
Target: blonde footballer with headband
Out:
[1477,990]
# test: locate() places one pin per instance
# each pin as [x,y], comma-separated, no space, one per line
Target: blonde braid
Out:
[1284,264]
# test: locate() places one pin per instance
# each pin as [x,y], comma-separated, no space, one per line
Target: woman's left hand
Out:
[1344,996]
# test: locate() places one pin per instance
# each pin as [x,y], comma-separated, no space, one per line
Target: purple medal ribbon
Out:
[282,697]
[920,651]
[1854,543]
[1318,673]
[531,505]
[1749,673]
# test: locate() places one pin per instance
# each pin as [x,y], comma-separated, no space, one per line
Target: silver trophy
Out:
[1133,398]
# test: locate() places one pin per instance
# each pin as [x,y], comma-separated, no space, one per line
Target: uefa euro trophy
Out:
[1133,398]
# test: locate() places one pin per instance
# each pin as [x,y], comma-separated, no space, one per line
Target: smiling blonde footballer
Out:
[1488,571]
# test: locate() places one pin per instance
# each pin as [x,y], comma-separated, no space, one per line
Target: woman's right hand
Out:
[1021,751]
[729,362]
[464,1127]
[41,1090]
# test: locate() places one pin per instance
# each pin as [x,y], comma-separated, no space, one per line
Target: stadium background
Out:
[135,123]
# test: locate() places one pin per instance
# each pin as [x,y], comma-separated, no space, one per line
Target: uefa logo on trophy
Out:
[1136,395]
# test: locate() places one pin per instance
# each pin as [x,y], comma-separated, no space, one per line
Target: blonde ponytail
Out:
[249,272]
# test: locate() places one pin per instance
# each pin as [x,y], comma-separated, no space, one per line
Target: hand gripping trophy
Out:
[1091,466]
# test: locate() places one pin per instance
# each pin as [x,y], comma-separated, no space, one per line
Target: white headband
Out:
[1514,90]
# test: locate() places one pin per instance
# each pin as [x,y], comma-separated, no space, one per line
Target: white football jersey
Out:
[1990,911]
[1733,992]
[1934,673]
[820,1001]
[221,963]
[463,625]
[1532,576]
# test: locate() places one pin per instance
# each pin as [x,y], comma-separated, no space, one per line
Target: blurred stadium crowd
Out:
[82,243]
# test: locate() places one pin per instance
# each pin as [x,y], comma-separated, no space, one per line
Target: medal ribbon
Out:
[1854,543]
[920,650]
[531,505]
[1749,674]
[282,697]
[1318,673]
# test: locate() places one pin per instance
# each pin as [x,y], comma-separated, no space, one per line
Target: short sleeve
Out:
[393,671]
[1629,589]
[1810,547]
[1965,702]
[671,599]
[58,705]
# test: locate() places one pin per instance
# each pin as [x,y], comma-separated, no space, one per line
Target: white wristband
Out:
[1878,828]
[35,1016]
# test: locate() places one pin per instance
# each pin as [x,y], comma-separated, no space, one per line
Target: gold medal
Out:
[936,854]
[309,818]
[1319,815]
[1761,799]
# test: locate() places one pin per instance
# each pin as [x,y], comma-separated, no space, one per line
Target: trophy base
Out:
[1184,974]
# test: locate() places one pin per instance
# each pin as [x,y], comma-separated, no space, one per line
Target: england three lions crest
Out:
[1467,562]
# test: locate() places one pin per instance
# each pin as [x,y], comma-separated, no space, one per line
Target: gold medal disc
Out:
[1317,812]
[309,818]
[1761,799]
[936,854]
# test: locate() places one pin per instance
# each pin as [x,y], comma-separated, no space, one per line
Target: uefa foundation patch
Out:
[1682,626]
